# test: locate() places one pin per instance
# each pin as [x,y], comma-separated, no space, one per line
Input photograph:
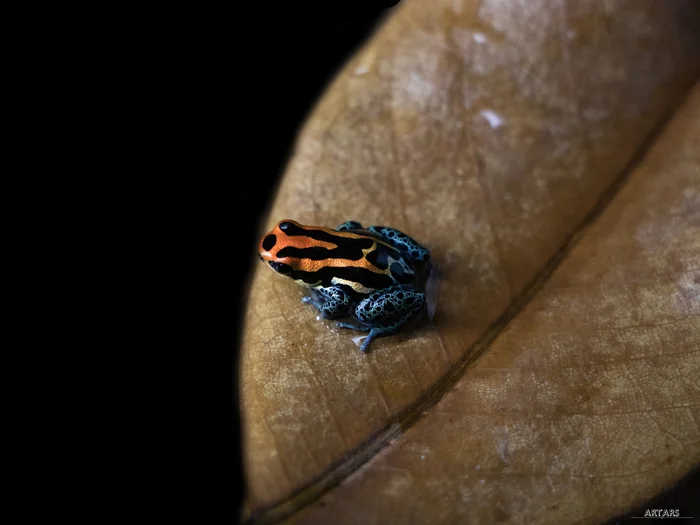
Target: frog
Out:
[375,276]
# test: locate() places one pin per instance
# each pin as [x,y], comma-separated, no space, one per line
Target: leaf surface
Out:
[588,402]
[501,136]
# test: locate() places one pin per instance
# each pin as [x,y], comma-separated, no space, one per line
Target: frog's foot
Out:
[349,225]
[313,301]
[373,332]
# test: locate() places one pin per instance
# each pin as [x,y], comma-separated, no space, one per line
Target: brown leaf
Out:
[566,341]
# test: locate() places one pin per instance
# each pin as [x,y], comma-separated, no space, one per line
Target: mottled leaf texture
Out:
[529,146]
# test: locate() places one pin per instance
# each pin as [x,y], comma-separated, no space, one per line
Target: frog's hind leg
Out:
[349,225]
[377,331]
[403,242]
[386,311]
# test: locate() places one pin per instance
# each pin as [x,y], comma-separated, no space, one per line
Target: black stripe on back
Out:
[294,230]
[350,249]
[379,258]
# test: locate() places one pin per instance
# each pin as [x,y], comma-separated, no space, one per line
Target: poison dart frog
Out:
[375,276]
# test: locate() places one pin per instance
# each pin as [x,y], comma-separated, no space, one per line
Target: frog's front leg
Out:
[403,242]
[384,312]
[332,302]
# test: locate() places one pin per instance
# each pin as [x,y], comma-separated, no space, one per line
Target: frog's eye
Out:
[281,267]
[285,225]
[269,242]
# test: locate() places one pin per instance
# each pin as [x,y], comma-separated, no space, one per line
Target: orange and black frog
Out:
[374,275]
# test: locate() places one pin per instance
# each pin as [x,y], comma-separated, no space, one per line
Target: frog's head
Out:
[284,240]
[304,252]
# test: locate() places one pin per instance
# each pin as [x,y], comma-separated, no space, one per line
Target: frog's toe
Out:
[374,332]
[351,326]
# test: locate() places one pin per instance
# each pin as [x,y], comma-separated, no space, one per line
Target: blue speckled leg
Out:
[349,225]
[331,302]
[403,242]
[384,312]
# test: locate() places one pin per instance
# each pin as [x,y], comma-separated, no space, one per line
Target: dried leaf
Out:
[566,339]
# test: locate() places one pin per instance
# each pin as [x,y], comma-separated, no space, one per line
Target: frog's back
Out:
[383,258]
[368,262]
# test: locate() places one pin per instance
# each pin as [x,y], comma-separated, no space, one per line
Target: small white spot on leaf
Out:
[361,70]
[479,38]
[493,118]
